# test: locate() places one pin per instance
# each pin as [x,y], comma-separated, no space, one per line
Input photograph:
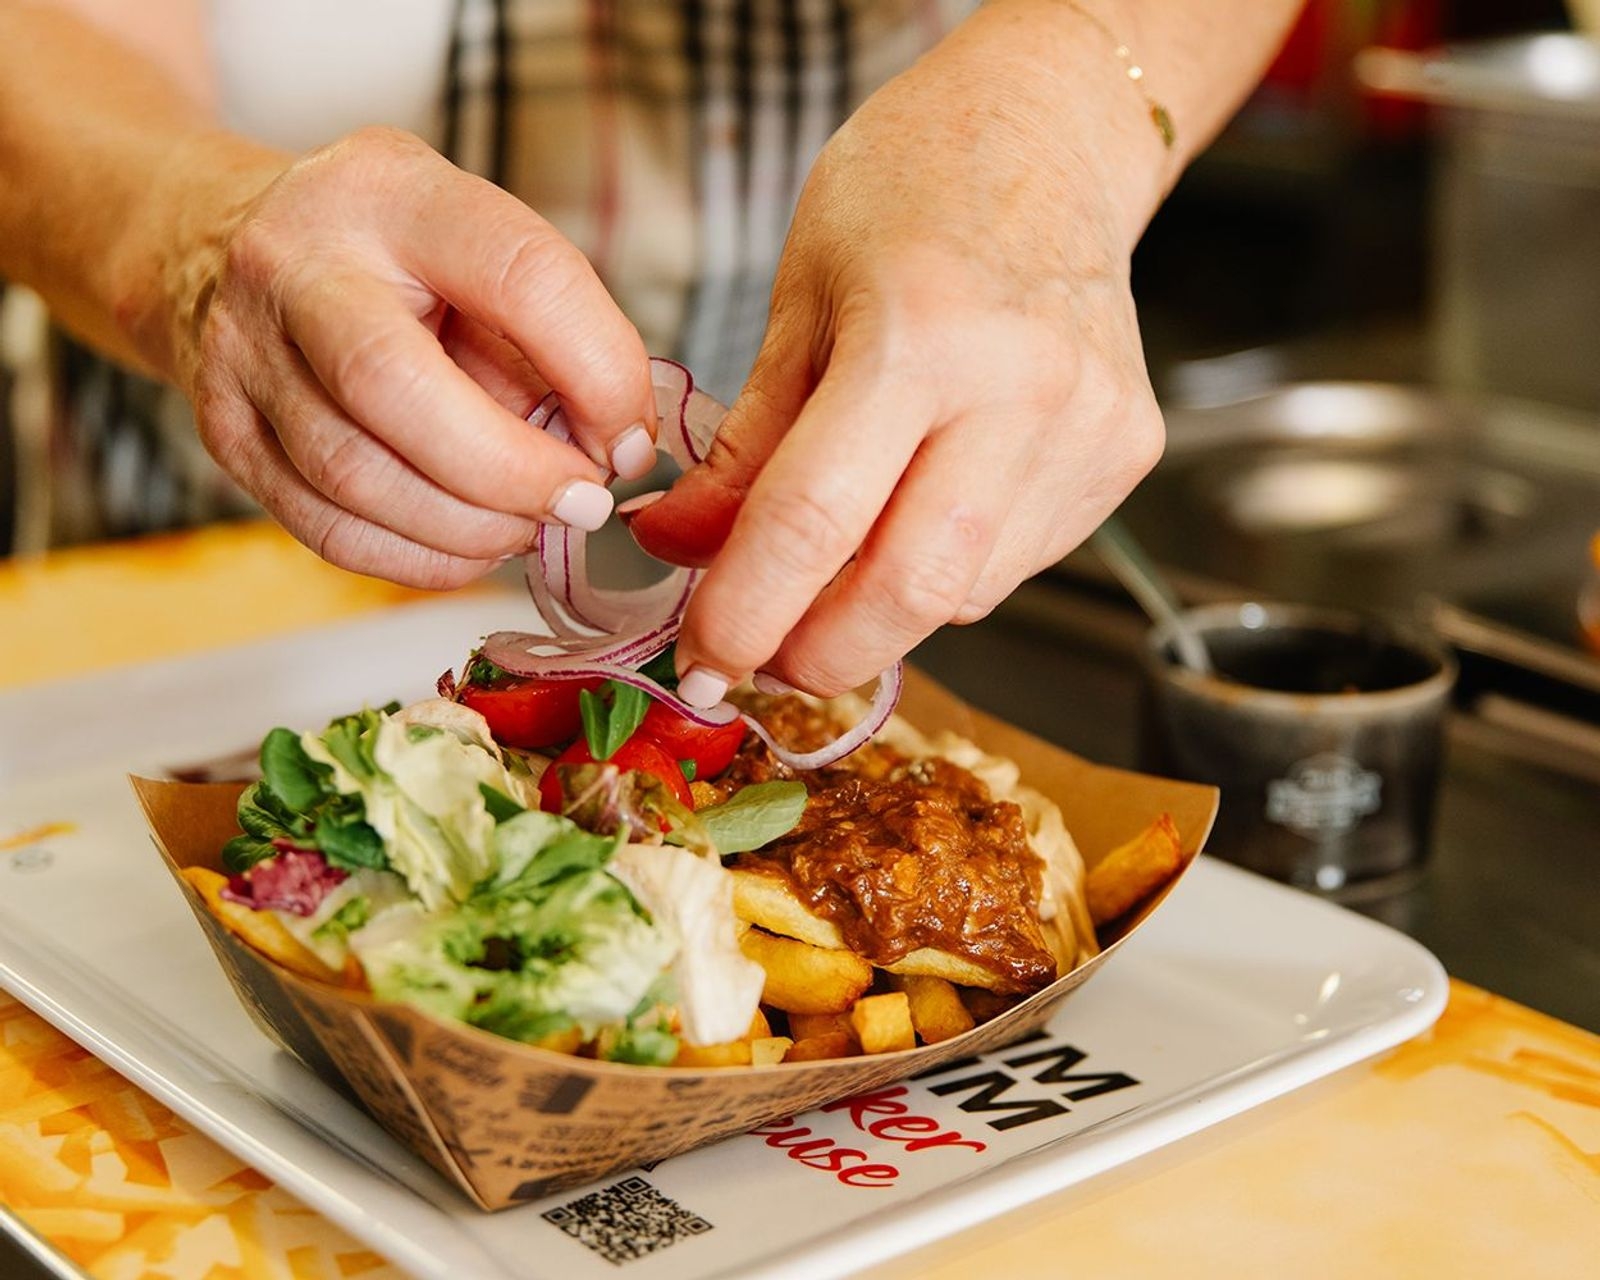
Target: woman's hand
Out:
[951,394]
[362,331]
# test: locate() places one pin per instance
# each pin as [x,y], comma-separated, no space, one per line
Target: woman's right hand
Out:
[362,331]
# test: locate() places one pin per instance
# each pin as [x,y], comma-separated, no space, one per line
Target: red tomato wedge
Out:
[710,747]
[529,713]
[634,755]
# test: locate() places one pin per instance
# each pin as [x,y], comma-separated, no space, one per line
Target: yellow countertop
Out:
[1472,1151]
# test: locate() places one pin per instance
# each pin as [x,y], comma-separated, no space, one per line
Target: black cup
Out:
[1323,729]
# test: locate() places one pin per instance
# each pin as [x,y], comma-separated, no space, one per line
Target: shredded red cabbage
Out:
[293,880]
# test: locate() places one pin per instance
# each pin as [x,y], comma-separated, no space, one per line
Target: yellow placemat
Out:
[112,604]
[127,1190]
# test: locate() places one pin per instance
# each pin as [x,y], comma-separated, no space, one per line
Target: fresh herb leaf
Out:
[346,920]
[289,772]
[689,769]
[350,845]
[611,717]
[662,668]
[261,813]
[596,717]
[243,852]
[502,808]
[482,672]
[628,707]
[422,732]
[752,816]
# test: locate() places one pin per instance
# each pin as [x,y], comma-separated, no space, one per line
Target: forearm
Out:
[111,160]
[1198,61]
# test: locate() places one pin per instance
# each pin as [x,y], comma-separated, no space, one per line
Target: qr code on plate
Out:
[626,1220]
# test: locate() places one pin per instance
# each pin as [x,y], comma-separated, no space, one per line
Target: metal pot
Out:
[1516,294]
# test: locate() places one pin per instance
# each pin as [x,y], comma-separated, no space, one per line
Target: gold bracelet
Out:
[1159,115]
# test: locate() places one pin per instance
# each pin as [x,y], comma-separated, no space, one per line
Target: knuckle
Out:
[806,532]
[1144,441]
[342,539]
[537,263]
[920,594]
[975,608]
[255,255]
[372,364]
[343,473]
[383,139]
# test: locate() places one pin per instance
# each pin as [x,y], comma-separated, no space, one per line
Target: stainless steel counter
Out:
[1511,897]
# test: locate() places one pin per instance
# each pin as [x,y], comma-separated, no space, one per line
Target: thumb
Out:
[690,523]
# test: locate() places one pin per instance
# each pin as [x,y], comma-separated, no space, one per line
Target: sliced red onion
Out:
[607,634]
[557,569]
[884,700]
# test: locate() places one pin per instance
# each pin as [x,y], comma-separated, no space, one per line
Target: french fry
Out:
[770,903]
[834,1045]
[353,975]
[769,1050]
[261,930]
[1131,872]
[568,1041]
[804,1026]
[936,1009]
[883,1023]
[933,963]
[806,979]
[984,1005]
[734,1053]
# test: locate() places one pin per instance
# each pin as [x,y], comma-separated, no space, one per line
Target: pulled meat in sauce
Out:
[900,855]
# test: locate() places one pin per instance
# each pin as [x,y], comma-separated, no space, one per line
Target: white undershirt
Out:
[299,73]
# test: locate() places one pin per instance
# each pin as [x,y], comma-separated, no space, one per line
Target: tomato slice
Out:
[529,713]
[634,755]
[711,748]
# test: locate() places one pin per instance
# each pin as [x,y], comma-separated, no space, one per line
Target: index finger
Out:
[807,513]
[392,376]
[498,261]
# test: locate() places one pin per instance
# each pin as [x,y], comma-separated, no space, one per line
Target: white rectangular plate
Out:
[1237,991]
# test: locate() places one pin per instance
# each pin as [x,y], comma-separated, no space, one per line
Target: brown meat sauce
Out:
[900,854]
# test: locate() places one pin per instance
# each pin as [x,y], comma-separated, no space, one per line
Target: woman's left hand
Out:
[951,394]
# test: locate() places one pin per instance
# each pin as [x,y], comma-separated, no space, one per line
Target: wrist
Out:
[164,264]
[1067,79]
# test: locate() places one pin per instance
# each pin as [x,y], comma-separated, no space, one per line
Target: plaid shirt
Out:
[668,139]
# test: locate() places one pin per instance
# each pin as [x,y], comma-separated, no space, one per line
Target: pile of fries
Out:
[828,1002]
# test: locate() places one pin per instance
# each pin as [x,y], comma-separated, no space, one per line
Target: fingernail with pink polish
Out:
[633,506]
[634,453]
[702,687]
[583,505]
[770,684]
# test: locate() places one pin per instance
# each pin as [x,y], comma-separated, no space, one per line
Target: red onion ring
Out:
[598,633]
